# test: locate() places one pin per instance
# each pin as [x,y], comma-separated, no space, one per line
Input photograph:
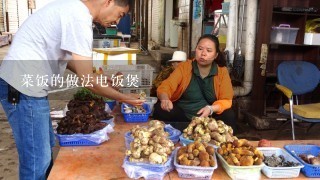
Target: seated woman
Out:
[199,87]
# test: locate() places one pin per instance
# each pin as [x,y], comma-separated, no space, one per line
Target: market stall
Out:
[105,161]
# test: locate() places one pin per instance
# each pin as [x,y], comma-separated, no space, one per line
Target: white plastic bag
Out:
[96,137]
[147,170]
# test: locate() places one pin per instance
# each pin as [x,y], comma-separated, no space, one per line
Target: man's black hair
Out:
[122,3]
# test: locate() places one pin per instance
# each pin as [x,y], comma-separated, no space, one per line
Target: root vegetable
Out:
[212,125]
[156,124]
[190,156]
[246,161]
[210,150]
[131,159]
[204,164]
[185,161]
[150,143]
[155,158]
[190,147]
[181,151]
[195,162]
[184,155]
[228,137]
[229,161]
[203,156]
[206,137]
[136,153]
[199,155]
[257,161]
[216,136]
[212,163]
[196,152]
[144,140]
[241,142]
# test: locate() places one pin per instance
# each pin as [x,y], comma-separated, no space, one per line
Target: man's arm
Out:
[70,66]
[82,66]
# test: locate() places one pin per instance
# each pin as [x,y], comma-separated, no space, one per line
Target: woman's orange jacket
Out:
[180,78]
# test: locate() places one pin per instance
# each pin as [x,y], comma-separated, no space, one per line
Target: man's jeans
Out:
[32,131]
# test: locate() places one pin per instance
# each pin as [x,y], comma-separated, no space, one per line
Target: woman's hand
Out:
[166,105]
[205,112]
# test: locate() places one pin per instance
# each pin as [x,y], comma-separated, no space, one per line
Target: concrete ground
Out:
[9,156]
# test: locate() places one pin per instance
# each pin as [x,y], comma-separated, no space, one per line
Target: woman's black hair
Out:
[220,60]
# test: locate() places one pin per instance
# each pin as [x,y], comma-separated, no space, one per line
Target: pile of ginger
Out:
[209,130]
[150,144]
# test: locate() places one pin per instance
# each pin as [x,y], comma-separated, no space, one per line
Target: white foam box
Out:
[114,56]
[312,38]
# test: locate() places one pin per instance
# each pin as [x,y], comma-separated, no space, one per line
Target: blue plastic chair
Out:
[297,78]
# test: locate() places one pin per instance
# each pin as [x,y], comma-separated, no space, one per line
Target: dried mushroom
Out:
[310,159]
[134,109]
[142,95]
[84,115]
[196,154]
[240,153]
[278,161]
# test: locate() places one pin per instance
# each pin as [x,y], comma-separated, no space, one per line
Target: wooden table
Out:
[105,161]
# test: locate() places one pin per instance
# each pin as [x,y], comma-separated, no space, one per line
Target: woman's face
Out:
[206,52]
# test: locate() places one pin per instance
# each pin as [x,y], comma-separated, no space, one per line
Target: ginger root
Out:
[150,143]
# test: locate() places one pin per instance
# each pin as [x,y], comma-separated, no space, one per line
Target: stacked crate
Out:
[136,78]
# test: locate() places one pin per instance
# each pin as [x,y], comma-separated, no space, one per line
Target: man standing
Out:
[55,37]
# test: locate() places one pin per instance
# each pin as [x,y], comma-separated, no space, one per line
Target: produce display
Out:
[310,159]
[278,161]
[84,114]
[240,153]
[207,129]
[142,95]
[196,154]
[134,109]
[150,144]
[95,107]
